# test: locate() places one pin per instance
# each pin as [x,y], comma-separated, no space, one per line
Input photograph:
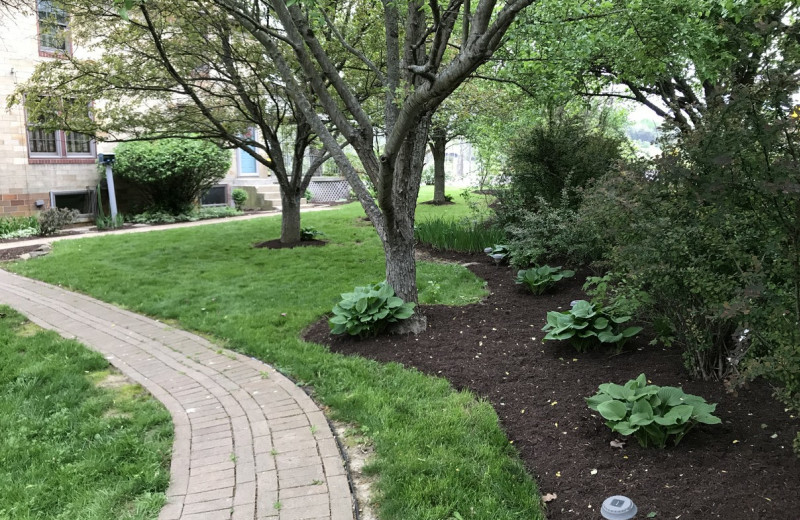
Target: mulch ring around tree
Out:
[742,469]
[277,244]
[438,202]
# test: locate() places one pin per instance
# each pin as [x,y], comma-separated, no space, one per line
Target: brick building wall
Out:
[23,179]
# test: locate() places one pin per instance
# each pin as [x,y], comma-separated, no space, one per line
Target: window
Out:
[61,145]
[57,145]
[216,196]
[81,200]
[42,142]
[52,28]
[78,143]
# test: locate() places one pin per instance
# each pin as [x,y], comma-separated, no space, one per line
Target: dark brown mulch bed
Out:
[277,244]
[438,203]
[14,252]
[741,469]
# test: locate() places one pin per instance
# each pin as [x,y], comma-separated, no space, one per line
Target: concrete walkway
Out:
[249,444]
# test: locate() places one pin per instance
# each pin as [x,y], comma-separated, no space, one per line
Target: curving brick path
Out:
[249,444]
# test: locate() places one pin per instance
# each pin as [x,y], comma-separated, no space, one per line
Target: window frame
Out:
[45,50]
[61,154]
[87,192]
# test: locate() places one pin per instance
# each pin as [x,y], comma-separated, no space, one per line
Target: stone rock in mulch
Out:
[42,251]
[25,252]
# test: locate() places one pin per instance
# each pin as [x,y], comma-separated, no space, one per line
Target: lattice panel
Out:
[328,190]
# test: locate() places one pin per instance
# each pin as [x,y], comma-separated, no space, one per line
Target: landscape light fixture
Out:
[618,507]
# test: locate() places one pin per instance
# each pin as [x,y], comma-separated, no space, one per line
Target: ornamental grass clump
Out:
[653,414]
[540,279]
[367,311]
[585,326]
[449,234]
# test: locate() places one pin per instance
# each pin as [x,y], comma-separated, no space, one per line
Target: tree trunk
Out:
[438,149]
[290,218]
[401,265]
[401,274]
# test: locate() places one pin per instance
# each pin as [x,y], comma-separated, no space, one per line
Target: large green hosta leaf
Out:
[677,415]
[613,410]
[617,391]
[641,413]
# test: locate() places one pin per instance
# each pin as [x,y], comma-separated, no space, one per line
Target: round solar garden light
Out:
[618,508]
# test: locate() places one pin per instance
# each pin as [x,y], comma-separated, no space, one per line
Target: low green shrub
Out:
[52,220]
[617,296]
[21,233]
[162,217]
[539,279]
[171,173]
[16,227]
[367,311]
[585,326]
[464,235]
[239,198]
[546,233]
[652,414]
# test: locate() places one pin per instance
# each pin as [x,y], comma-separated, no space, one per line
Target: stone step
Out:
[253,181]
[269,189]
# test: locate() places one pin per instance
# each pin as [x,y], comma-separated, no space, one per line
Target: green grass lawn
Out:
[70,448]
[439,453]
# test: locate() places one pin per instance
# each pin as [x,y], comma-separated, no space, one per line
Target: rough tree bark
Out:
[438,145]
[290,217]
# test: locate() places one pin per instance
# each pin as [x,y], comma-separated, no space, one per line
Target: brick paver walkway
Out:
[248,444]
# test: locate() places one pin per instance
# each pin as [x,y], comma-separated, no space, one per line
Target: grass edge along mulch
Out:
[440,454]
[71,444]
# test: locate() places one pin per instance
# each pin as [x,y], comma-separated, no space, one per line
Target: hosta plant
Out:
[539,279]
[368,310]
[586,326]
[310,233]
[653,414]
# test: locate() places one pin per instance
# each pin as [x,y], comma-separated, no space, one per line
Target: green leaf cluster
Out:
[499,253]
[310,233]
[171,173]
[368,310]
[52,220]
[653,414]
[239,197]
[585,326]
[539,279]
[14,227]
